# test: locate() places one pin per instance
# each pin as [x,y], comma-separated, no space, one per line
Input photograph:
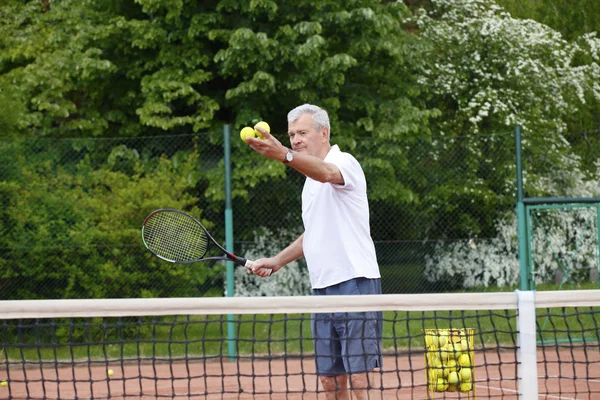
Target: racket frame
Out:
[228,255]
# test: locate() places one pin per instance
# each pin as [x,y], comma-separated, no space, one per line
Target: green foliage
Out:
[487,72]
[92,247]
[572,20]
[578,23]
[426,104]
[127,68]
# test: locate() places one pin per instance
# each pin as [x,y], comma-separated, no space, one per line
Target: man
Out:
[337,245]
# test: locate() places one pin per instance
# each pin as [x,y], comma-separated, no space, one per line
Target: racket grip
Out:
[250,264]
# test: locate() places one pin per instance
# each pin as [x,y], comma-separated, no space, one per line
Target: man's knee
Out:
[359,381]
[337,382]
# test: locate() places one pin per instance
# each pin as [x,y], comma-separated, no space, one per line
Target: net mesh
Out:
[434,346]
[174,236]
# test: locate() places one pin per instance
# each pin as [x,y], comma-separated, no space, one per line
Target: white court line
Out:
[546,396]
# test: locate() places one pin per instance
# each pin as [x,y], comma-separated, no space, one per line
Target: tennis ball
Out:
[455,350]
[441,385]
[443,354]
[453,387]
[450,367]
[464,360]
[443,338]
[453,377]
[466,386]
[246,133]
[433,341]
[263,125]
[111,372]
[3,383]
[464,345]
[465,374]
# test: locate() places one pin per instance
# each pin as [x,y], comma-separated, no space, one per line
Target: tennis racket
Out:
[177,237]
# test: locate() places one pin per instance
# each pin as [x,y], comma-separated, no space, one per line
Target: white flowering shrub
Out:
[564,240]
[291,280]
[477,263]
[489,70]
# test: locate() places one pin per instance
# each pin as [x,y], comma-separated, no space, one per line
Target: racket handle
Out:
[250,264]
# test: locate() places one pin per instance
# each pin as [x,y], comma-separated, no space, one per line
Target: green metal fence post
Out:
[524,269]
[229,237]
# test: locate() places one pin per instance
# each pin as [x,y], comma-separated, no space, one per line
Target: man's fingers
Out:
[263,131]
[252,268]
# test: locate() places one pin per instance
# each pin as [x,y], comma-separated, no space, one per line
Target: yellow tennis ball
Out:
[443,338]
[466,386]
[263,125]
[453,377]
[464,360]
[453,387]
[465,374]
[456,350]
[433,341]
[246,133]
[3,383]
[464,345]
[450,367]
[443,354]
[441,385]
[111,372]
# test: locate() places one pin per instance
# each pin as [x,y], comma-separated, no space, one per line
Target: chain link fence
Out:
[72,211]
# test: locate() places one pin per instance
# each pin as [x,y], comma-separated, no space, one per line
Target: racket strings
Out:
[175,237]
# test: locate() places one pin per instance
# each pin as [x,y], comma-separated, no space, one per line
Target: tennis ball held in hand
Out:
[246,133]
[263,125]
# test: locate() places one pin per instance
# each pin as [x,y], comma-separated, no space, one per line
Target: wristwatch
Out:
[289,156]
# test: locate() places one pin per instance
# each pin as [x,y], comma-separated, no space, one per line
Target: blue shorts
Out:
[348,343]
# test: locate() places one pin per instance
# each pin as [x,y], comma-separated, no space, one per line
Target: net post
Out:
[229,236]
[521,219]
[526,325]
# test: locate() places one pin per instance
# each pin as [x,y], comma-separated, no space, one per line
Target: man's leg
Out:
[364,387]
[361,339]
[336,387]
[328,353]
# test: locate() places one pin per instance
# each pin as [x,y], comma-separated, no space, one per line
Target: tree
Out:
[156,66]
[488,72]
[571,20]
[73,231]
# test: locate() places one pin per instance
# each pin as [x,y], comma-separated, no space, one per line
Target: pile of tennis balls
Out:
[449,360]
[248,132]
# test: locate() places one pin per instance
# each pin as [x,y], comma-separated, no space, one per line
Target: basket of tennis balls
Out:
[449,360]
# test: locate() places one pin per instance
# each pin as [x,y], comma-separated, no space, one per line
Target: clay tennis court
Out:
[567,374]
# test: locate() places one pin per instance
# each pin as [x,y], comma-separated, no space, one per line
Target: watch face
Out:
[289,156]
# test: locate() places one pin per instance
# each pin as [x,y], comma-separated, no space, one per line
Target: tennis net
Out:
[525,345]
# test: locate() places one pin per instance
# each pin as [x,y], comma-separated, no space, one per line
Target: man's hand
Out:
[269,147]
[264,267]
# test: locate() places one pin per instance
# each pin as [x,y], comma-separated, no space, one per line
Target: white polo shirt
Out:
[337,240]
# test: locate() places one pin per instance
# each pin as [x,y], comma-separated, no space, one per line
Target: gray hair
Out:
[319,116]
